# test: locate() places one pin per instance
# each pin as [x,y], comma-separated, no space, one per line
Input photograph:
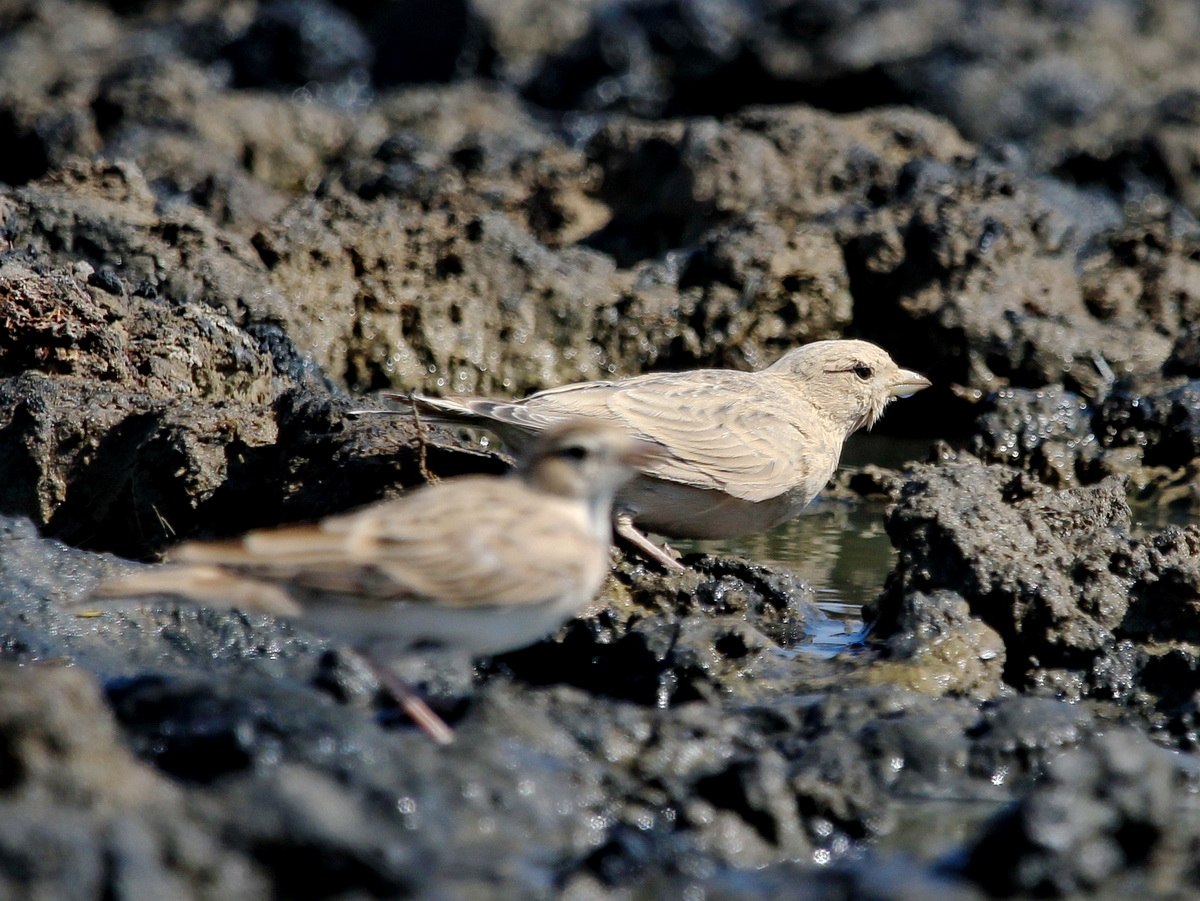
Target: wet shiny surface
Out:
[840,548]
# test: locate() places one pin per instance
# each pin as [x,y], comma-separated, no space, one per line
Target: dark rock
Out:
[1139,430]
[982,288]
[1080,101]
[248,709]
[415,42]
[1165,599]
[83,818]
[192,274]
[935,645]
[1165,424]
[294,42]
[667,638]
[1106,810]
[1185,355]
[1006,551]
[1017,737]
[1045,431]
[1079,603]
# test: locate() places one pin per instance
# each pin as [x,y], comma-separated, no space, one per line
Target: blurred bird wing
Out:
[485,541]
[469,542]
[729,431]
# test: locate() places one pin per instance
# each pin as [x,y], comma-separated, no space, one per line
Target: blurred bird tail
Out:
[209,586]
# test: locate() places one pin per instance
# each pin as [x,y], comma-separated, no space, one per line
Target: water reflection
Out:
[1147,519]
[840,548]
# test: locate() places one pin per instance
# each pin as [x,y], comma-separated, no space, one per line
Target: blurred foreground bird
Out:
[476,564]
[745,451]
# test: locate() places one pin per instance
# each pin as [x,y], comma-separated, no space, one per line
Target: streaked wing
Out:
[473,541]
[727,431]
[488,541]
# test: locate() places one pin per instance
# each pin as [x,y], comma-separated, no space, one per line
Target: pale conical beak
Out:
[908,383]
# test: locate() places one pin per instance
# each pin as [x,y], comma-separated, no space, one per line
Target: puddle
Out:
[840,548]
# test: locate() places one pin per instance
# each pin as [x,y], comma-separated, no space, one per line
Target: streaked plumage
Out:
[478,564]
[744,450]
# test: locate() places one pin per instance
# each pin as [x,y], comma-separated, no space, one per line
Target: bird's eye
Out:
[574,452]
[863,371]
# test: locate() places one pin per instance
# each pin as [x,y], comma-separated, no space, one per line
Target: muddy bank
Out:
[222,227]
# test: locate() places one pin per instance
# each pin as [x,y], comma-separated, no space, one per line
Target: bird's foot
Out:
[644,546]
[412,704]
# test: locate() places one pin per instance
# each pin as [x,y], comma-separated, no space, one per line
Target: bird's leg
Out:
[411,703]
[643,545]
[422,442]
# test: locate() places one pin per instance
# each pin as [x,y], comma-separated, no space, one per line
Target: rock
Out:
[83,817]
[976,277]
[1111,807]
[935,646]
[1004,551]
[1164,423]
[1081,101]
[1047,432]
[1054,573]
[219,223]
[297,42]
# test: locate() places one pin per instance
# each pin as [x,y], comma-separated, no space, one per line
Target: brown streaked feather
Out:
[406,550]
[741,433]
[208,585]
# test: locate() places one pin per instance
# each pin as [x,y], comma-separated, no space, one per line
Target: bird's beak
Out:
[907,383]
[643,453]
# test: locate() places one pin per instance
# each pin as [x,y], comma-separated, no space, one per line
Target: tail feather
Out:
[514,421]
[447,410]
[209,586]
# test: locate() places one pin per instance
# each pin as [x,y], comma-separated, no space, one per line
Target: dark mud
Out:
[222,227]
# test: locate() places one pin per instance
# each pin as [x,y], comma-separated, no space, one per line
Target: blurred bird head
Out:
[585,459]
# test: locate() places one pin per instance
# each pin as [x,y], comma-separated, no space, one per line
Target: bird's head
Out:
[851,381]
[586,459]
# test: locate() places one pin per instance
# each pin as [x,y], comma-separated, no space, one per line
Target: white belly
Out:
[680,511]
[398,628]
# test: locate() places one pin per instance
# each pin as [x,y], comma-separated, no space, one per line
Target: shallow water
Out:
[840,548]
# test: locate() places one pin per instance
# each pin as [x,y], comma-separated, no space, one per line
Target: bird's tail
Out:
[447,410]
[514,423]
[209,586]
[436,410]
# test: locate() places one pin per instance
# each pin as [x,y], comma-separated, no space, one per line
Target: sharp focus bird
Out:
[744,451]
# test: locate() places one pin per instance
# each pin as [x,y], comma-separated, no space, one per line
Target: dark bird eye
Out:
[574,452]
[863,371]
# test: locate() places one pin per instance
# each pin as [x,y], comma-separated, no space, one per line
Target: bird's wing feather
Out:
[411,550]
[723,430]
[502,521]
